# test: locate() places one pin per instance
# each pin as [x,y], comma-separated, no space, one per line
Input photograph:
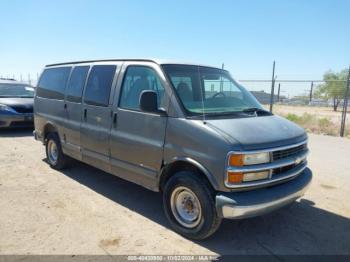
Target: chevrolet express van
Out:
[191,132]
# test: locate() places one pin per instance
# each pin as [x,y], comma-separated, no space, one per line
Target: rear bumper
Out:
[238,205]
[16,120]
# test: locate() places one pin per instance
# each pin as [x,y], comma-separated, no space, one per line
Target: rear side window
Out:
[53,82]
[76,83]
[99,84]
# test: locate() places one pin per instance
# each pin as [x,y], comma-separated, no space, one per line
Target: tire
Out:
[56,160]
[186,191]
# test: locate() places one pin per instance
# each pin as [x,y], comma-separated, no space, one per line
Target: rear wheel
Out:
[189,205]
[54,154]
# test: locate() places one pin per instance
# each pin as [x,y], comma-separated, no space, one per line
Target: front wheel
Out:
[189,205]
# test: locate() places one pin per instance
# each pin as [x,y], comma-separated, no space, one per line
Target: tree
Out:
[334,87]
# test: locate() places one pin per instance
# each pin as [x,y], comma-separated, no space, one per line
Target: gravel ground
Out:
[85,211]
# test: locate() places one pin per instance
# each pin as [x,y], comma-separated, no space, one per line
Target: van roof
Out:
[157,61]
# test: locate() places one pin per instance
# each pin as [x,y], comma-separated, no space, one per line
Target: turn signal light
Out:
[234,177]
[249,159]
[236,160]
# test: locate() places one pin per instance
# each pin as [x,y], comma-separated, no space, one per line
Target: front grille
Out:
[280,154]
[283,169]
[23,109]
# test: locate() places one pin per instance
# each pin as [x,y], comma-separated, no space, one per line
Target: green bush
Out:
[293,118]
[301,120]
[311,123]
[324,122]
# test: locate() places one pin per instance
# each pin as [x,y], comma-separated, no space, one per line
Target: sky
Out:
[304,37]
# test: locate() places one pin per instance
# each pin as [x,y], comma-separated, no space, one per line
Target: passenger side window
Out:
[53,83]
[76,83]
[136,80]
[99,84]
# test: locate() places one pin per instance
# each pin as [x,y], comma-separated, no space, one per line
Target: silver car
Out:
[189,131]
[16,104]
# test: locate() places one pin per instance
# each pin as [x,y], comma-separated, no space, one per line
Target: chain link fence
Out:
[320,106]
[24,78]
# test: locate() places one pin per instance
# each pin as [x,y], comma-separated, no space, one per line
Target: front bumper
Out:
[237,205]
[16,120]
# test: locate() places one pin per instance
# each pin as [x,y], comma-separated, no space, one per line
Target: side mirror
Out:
[149,102]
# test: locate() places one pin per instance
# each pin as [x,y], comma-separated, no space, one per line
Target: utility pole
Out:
[278,93]
[222,66]
[272,86]
[311,89]
[345,106]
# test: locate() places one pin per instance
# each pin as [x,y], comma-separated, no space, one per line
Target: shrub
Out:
[313,124]
[293,117]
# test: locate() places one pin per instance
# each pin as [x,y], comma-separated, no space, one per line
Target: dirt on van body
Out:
[82,210]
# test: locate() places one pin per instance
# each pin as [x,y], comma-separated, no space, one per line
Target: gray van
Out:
[191,132]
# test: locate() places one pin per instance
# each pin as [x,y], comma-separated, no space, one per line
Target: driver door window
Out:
[136,80]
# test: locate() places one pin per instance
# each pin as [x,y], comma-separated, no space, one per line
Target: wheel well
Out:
[178,166]
[49,128]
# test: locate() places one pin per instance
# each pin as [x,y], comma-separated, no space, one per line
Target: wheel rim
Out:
[52,152]
[186,207]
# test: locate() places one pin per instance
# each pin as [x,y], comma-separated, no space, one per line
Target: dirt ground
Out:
[85,211]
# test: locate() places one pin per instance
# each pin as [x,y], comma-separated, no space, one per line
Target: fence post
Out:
[272,86]
[279,92]
[345,106]
[311,89]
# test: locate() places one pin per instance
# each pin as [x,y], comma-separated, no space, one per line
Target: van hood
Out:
[254,133]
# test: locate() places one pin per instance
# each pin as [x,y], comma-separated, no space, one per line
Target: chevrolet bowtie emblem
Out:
[297,160]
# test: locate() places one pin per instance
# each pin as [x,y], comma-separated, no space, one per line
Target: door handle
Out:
[85,113]
[114,120]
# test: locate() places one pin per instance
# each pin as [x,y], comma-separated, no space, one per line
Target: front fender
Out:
[198,165]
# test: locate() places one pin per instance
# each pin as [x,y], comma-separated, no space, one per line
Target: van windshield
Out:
[209,91]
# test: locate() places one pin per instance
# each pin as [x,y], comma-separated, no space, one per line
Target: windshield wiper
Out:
[253,111]
[213,114]
[256,111]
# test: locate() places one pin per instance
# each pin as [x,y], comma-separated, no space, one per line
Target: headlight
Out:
[6,108]
[249,159]
[239,160]
[247,177]
[239,177]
